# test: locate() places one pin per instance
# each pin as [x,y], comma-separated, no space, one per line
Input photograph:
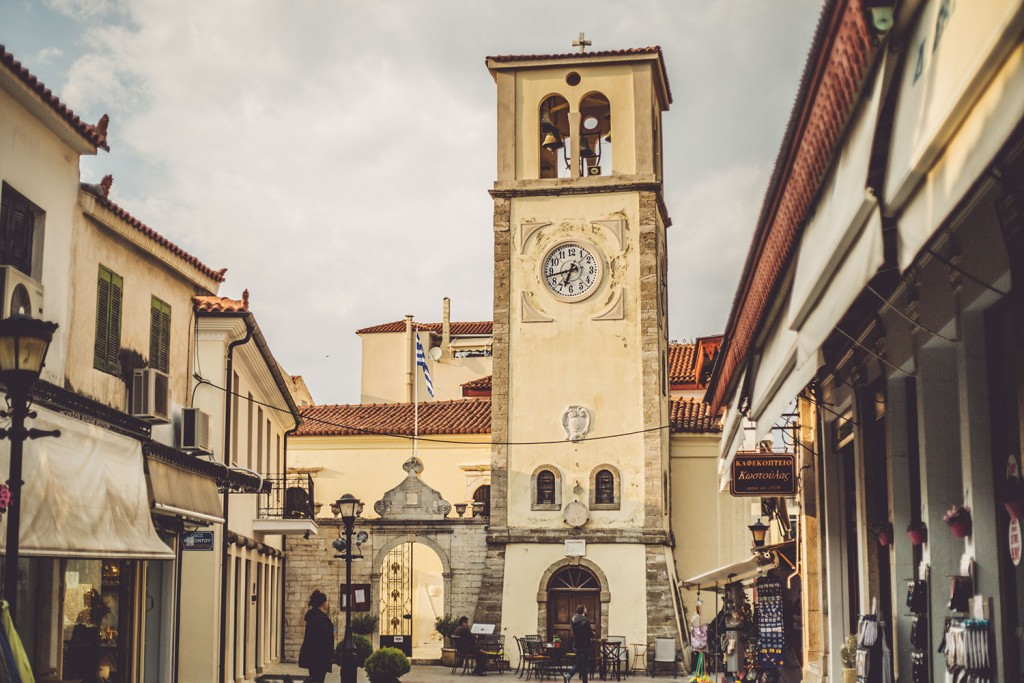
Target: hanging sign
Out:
[1015,542]
[763,474]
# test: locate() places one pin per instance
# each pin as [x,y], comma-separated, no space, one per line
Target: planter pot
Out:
[884,539]
[849,676]
[1015,508]
[961,528]
[917,536]
[448,656]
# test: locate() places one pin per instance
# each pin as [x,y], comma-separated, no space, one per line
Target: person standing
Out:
[468,647]
[582,644]
[317,651]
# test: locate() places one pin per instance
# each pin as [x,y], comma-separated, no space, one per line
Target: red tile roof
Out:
[93,134]
[681,366]
[690,416]
[222,304]
[99,191]
[838,60]
[651,50]
[481,383]
[482,327]
[462,416]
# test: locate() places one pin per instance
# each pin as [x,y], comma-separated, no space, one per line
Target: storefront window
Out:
[93,610]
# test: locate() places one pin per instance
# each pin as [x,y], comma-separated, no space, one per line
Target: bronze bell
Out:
[551,142]
[585,150]
[546,124]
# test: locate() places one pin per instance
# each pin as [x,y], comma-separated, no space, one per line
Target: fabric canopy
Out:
[180,493]
[84,494]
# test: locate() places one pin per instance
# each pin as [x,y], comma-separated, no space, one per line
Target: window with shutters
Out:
[159,335]
[109,287]
[17,228]
[547,488]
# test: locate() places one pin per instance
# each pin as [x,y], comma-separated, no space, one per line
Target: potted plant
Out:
[364,624]
[917,532]
[446,625]
[958,518]
[387,665]
[883,532]
[848,655]
[556,641]
[1013,497]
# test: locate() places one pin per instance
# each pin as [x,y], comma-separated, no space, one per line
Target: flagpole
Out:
[416,398]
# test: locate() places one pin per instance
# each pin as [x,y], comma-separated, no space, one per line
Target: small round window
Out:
[573,78]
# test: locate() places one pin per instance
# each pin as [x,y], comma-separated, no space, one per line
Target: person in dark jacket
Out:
[582,644]
[317,651]
[468,647]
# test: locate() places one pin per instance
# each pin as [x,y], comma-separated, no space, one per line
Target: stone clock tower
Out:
[580,393]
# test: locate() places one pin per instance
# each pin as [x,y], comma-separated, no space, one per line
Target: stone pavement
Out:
[420,673]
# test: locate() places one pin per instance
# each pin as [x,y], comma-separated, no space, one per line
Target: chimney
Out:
[446,328]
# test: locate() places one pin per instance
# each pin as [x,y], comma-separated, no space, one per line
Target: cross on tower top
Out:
[582,43]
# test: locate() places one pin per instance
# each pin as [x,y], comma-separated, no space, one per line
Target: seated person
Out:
[467,646]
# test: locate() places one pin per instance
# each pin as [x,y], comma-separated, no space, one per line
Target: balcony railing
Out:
[290,497]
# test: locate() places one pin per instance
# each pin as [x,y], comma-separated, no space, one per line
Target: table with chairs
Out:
[613,657]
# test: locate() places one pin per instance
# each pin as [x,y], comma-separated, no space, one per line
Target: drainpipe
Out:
[228,383]
[284,540]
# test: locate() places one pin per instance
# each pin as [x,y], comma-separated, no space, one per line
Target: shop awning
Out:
[733,434]
[181,493]
[766,558]
[84,494]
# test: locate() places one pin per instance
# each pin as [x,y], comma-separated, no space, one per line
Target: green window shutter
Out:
[159,335]
[17,224]
[109,287]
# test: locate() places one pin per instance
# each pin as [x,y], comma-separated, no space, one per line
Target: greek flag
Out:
[421,360]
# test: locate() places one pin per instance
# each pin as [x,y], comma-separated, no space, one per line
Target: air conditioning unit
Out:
[20,294]
[195,431]
[151,397]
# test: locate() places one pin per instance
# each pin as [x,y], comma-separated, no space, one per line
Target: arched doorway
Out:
[568,588]
[411,598]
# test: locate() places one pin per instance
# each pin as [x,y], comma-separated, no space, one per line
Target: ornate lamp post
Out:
[23,345]
[348,507]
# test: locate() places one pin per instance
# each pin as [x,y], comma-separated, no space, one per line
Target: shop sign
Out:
[1015,542]
[197,540]
[763,474]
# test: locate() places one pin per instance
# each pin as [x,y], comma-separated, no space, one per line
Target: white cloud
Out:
[48,54]
[336,156]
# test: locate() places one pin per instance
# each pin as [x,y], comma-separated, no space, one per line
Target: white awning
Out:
[732,430]
[84,494]
[181,493]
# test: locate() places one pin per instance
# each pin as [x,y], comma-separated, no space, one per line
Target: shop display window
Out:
[92,612]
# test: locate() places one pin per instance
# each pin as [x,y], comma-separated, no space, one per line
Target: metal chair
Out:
[665,653]
[461,658]
[614,656]
[640,651]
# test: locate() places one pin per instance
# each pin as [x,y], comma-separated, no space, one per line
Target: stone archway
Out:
[431,563]
[604,595]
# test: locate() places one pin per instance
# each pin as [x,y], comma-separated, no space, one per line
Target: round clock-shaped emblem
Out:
[576,514]
[572,271]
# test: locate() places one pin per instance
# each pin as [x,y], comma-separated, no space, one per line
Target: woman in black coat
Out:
[317,651]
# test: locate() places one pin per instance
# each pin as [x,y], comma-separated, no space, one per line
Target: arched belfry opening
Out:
[595,135]
[555,137]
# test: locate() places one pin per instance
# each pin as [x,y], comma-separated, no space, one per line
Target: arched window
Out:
[554,137]
[605,488]
[546,487]
[595,135]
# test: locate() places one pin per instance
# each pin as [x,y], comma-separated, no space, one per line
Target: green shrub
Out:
[446,626]
[364,624]
[387,665]
[363,646]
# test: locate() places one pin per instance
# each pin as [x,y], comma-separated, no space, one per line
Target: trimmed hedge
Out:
[387,665]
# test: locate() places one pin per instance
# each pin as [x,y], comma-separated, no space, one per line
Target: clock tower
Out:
[580,402]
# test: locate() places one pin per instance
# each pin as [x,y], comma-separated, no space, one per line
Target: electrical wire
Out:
[949,264]
[906,317]
[894,367]
[411,437]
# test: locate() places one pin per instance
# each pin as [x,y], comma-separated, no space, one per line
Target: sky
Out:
[335,156]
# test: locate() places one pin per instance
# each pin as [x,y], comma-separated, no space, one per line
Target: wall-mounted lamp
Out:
[758,530]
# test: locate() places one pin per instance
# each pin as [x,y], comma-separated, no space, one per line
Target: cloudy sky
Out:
[335,155]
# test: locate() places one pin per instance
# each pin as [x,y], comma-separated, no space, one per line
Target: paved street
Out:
[420,673]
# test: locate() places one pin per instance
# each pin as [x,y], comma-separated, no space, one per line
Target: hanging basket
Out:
[961,528]
[917,536]
[884,538]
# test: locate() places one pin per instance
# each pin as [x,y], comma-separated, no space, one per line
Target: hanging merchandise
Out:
[874,659]
[967,647]
[770,623]
[698,633]
[917,596]
[20,663]
[700,671]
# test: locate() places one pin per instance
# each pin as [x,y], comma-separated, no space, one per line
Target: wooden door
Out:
[569,588]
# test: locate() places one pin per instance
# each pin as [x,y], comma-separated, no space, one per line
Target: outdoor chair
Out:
[614,657]
[665,653]
[461,659]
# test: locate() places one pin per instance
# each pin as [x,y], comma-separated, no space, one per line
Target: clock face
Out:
[571,271]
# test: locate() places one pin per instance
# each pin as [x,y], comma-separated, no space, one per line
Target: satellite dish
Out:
[434,353]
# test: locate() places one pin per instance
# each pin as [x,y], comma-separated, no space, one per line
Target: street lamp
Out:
[23,345]
[348,508]
[758,530]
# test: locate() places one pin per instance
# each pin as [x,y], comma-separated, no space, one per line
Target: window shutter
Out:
[159,335]
[114,331]
[102,319]
[17,223]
